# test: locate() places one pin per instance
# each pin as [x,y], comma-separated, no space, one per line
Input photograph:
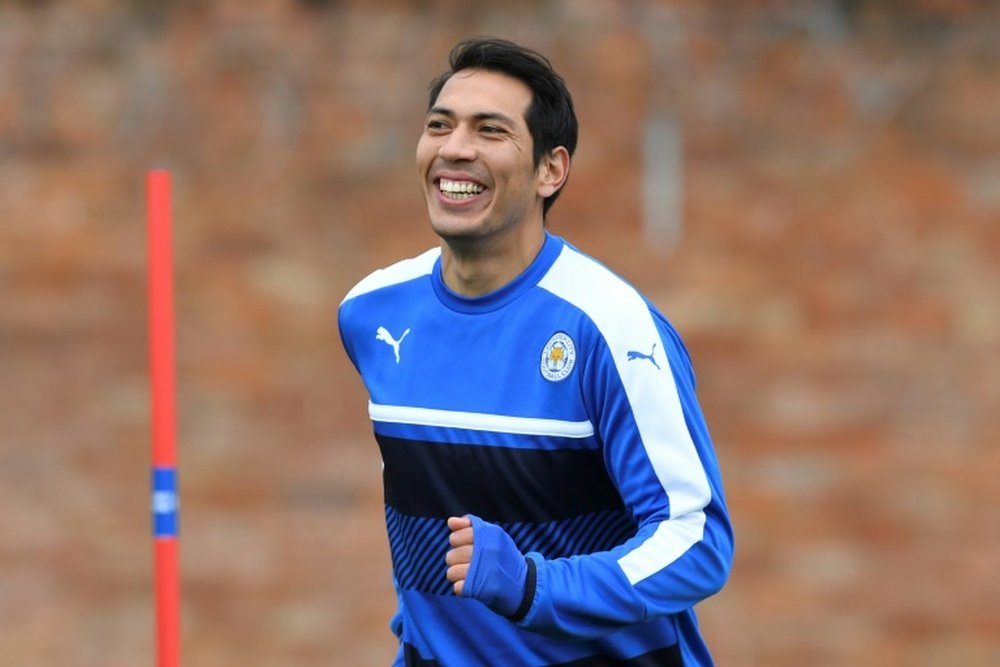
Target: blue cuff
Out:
[498,572]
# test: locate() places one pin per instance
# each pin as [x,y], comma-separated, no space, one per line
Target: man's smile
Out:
[459,190]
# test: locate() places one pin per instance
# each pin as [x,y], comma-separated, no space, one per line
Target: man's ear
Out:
[553,170]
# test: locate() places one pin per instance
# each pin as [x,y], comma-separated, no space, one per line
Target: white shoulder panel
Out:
[400,272]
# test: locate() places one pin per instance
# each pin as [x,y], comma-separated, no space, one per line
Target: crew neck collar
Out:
[501,296]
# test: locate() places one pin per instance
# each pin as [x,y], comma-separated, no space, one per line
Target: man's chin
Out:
[458,229]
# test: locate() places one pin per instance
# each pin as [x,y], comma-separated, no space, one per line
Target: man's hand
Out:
[460,556]
[485,564]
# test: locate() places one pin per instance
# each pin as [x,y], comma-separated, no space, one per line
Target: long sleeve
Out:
[639,390]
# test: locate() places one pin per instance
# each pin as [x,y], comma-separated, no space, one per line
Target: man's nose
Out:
[458,146]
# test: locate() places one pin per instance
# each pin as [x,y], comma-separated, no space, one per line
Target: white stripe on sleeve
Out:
[623,319]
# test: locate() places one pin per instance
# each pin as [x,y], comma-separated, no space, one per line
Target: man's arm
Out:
[666,472]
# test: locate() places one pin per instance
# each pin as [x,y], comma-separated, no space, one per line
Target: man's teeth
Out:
[459,189]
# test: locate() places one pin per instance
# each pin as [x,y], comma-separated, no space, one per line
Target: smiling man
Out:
[482,181]
[552,496]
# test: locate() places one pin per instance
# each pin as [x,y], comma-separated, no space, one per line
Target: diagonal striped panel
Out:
[583,534]
[419,544]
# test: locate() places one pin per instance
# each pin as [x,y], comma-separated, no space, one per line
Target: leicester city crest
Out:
[558,357]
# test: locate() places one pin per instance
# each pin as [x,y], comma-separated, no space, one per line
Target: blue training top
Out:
[561,407]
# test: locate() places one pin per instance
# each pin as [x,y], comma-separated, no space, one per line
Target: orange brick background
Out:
[835,274]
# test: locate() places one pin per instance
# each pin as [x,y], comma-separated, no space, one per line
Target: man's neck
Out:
[474,268]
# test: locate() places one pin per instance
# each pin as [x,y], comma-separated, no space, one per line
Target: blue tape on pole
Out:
[164,502]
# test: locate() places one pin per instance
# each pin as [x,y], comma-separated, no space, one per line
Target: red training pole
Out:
[164,434]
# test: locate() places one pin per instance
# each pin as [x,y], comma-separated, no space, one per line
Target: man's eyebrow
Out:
[495,115]
[440,111]
[481,116]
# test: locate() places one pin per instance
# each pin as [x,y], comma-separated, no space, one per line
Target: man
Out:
[552,495]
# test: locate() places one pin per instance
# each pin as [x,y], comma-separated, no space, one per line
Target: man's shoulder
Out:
[603,294]
[578,277]
[394,274]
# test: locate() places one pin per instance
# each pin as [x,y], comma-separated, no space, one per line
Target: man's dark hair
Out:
[550,116]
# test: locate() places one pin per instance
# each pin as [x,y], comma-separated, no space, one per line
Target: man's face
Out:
[475,157]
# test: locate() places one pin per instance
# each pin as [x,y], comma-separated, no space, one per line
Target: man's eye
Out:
[490,129]
[435,125]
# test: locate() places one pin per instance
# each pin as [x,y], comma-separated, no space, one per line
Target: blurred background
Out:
[809,190]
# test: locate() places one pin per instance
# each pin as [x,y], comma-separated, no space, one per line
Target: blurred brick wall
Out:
[836,276]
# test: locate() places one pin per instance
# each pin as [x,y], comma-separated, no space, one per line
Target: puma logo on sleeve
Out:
[633,355]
